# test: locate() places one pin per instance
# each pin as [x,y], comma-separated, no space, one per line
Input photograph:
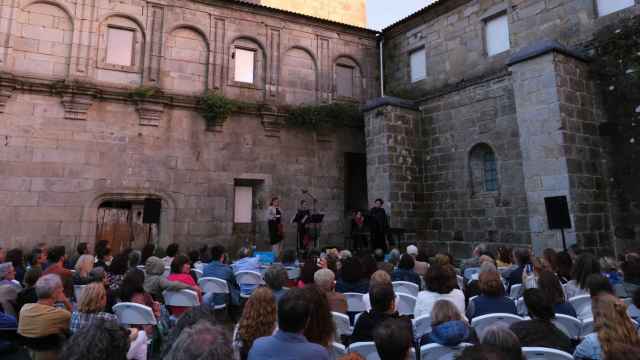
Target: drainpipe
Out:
[381,53]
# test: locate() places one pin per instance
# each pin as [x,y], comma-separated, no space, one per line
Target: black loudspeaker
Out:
[151,214]
[558,212]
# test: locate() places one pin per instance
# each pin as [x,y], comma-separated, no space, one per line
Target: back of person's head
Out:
[258,318]
[276,277]
[394,256]
[82,248]
[441,279]
[487,266]
[441,259]
[608,264]
[288,257]
[308,271]
[599,284]
[444,311]
[538,305]
[16,257]
[483,352]
[32,275]
[293,311]
[178,262]
[503,339]
[522,256]
[93,298]
[102,252]
[490,283]
[393,339]
[406,262]
[564,264]
[193,315]
[97,274]
[550,286]
[194,256]
[120,263]
[47,285]
[147,252]
[612,324]
[56,254]
[98,340]
[202,341]
[585,265]
[505,254]
[379,277]
[480,249]
[412,250]
[132,283]
[134,258]
[243,252]
[84,264]
[351,270]
[172,250]
[217,252]
[551,257]
[382,297]
[630,268]
[379,255]
[320,329]
[325,279]
[369,265]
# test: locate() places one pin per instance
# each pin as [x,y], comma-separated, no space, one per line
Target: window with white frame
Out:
[606,7]
[120,44]
[418,65]
[243,208]
[244,65]
[497,34]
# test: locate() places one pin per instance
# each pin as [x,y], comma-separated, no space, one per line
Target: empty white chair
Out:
[569,325]
[185,298]
[355,303]
[293,273]
[587,327]
[355,318]
[480,323]
[77,291]
[248,278]
[368,350]
[582,305]
[406,304]
[134,314]
[337,350]
[516,291]
[540,353]
[198,273]
[421,326]
[406,287]
[460,282]
[633,312]
[440,352]
[215,286]
[521,307]
[343,327]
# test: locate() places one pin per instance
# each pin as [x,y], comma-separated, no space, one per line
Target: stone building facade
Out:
[81,135]
[470,140]
[351,12]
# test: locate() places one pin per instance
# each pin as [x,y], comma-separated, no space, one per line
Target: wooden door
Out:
[114,225]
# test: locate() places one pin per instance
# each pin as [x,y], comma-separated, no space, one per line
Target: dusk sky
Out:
[381,13]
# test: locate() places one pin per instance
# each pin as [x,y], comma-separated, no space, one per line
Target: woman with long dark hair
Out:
[550,286]
[274,220]
[320,329]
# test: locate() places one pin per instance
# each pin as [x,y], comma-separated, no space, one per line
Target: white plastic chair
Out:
[368,350]
[582,305]
[470,272]
[355,302]
[569,325]
[480,323]
[587,327]
[406,304]
[440,352]
[184,298]
[516,291]
[460,280]
[77,291]
[197,272]
[343,327]
[134,314]
[215,286]
[248,278]
[338,350]
[521,307]
[405,287]
[355,318]
[421,325]
[540,353]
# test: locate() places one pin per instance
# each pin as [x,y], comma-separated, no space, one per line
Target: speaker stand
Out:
[564,241]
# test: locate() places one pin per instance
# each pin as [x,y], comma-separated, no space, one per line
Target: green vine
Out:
[216,108]
[333,115]
[144,92]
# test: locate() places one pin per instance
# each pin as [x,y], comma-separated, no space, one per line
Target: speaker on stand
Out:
[151,214]
[558,215]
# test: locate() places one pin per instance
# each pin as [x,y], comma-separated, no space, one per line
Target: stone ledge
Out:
[544,47]
[389,100]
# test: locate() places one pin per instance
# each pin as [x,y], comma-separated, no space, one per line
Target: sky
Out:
[382,13]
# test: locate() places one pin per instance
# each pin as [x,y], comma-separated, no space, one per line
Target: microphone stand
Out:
[313,212]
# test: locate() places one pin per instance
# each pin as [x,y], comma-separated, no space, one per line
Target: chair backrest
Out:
[405,287]
[480,323]
[540,353]
[421,326]
[469,272]
[441,352]
[134,314]
[521,307]
[355,303]
[185,298]
[338,350]
[587,327]
[77,291]
[343,327]
[248,278]
[582,305]
[213,285]
[633,312]
[368,350]
[198,272]
[406,303]
[460,280]
[569,325]
[516,291]
[293,273]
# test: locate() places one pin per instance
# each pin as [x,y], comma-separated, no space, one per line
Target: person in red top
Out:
[56,266]
[181,272]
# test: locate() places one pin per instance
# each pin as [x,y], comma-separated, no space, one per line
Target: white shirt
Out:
[138,348]
[426,300]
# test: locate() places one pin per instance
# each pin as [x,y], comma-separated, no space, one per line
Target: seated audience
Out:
[325,280]
[218,269]
[91,307]
[405,272]
[83,267]
[246,262]
[7,323]
[289,343]
[101,340]
[56,266]
[381,264]
[564,265]
[28,294]
[483,352]
[202,341]
[103,256]
[540,331]
[550,257]
[379,277]
[472,288]
[492,298]
[448,327]
[155,282]
[203,312]
[276,279]
[16,257]
[383,307]
[474,261]
[308,270]
[504,257]
[393,339]
[147,252]
[419,267]
[551,288]
[631,272]
[394,258]
[132,290]
[181,272]
[171,252]
[504,340]
[117,269]
[369,265]
[613,330]
[8,275]
[288,258]
[320,327]
[523,258]
[351,278]
[531,274]
[442,284]
[258,320]
[81,249]
[585,265]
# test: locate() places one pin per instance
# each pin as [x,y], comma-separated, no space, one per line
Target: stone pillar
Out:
[394,165]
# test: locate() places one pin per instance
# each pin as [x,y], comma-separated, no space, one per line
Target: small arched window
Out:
[483,169]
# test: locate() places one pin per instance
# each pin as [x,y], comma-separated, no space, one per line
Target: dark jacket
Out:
[565,309]
[483,305]
[406,275]
[450,333]
[540,333]
[361,286]
[516,276]
[367,322]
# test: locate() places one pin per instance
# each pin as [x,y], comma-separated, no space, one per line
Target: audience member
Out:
[483,352]
[56,266]
[504,340]
[540,330]
[289,343]
[631,272]
[91,307]
[448,327]
[81,249]
[378,278]
[181,272]
[8,275]
[246,262]
[276,279]
[117,269]
[523,258]
[442,284]
[598,284]
[492,298]
[393,339]
[8,324]
[147,252]
[351,278]
[132,290]
[155,282]
[564,265]
[201,313]
[585,265]
[133,260]
[382,265]
[504,257]
[394,258]
[100,340]
[171,252]
[369,264]
[551,288]
[218,269]
[103,255]
[472,288]
[404,271]
[419,267]
[288,258]
[28,294]
[383,307]
[83,267]
[258,320]
[613,330]
[474,261]
[202,341]
[551,258]
[325,280]
[308,271]
[16,257]
[320,327]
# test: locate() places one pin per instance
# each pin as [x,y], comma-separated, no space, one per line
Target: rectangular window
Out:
[344,81]
[244,62]
[418,64]
[490,172]
[243,205]
[606,7]
[497,35]
[119,46]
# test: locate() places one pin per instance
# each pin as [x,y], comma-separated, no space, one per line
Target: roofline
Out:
[419,13]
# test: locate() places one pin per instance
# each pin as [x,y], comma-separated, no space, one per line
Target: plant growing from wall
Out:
[215,108]
[334,115]
[144,92]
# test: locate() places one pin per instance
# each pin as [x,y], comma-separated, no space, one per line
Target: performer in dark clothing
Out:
[276,231]
[379,226]
[302,219]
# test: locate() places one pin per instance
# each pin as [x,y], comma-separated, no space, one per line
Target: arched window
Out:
[483,169]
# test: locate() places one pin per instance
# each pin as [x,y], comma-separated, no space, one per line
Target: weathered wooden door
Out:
[114,225]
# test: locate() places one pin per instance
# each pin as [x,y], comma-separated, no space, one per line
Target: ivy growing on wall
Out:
[334,115]
[215,108]
[144,92]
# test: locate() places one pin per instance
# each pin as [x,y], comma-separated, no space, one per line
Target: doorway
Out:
[121,224]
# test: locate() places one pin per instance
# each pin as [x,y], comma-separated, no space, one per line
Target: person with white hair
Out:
[420,267]
[8,274]
[325,279]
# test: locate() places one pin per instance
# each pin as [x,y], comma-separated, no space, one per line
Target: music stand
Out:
[316,221]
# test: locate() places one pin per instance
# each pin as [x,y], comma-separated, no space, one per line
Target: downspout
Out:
[381,53]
